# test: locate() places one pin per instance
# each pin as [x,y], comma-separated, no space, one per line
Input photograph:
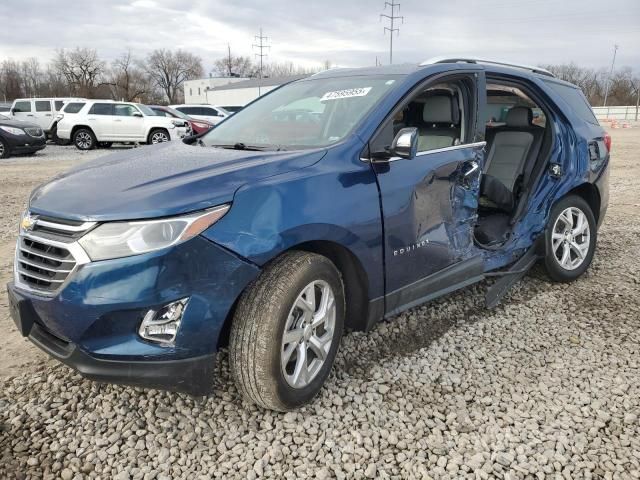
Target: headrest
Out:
[440,109]
[519,117]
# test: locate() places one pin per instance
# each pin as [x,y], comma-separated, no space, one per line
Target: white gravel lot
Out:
[545,385]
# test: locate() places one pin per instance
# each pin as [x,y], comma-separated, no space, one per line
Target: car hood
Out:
[10,122]
[161,180]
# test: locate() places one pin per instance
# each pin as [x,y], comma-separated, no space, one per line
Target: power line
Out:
[392,18]
[261,45]
[608,82]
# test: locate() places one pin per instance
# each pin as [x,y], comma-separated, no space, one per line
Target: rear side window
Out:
[73,107]
[59,104]
[576,99]
[190,110]
[101,109]
[43,106]
[22,107]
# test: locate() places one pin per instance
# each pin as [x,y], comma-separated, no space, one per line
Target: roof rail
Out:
[446,59]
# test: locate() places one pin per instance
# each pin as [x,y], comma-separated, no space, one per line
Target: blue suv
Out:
[328,204]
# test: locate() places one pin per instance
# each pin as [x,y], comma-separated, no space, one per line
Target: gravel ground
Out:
[545,385]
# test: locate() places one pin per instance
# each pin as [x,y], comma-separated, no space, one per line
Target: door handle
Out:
[29,114]
[47,114]
[117,120]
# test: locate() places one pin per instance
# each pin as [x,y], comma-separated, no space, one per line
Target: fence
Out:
[616,113]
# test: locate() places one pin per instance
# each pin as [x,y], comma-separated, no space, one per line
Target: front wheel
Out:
[158,136]
[84,139]
[286,331]
[570,239]
[4,149]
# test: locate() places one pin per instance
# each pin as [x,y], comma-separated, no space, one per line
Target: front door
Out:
[43,113]
[128,123]
[22,110]
[429,203]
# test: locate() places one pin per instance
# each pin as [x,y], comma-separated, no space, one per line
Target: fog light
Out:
[162,325]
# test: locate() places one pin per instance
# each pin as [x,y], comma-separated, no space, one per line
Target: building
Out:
[236,93]
[195,90]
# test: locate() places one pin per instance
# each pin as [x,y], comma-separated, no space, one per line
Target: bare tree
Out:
[127,80]
[11,85]
[82,69]
[168,70]
[235,66]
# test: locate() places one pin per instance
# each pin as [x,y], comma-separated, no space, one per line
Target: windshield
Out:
[305,114]
[146,110]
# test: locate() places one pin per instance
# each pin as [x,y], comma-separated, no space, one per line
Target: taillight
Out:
[607,141]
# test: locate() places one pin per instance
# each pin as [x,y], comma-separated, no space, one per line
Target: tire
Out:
[105,144]
[272,304]
[4,149]
[158,135]
[569,249]
[84,139]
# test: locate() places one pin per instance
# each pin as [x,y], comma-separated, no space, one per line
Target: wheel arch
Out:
[589,192]
[75,128]
[352,272]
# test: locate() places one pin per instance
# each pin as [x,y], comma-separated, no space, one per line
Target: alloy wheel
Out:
[308,334]
[83,140]
[570,238]
[1,149]
[159,137]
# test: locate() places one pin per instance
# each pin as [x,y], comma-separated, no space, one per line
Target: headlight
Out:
[122,239]
[13,130]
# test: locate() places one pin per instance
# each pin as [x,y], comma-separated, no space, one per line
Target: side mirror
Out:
[137,114]
[405,144]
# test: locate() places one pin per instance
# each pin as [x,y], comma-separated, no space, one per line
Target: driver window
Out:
[123,110]
[441,113]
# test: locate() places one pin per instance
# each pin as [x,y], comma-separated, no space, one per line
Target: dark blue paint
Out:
[281,200]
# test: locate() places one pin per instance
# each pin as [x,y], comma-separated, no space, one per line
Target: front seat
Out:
[440,122]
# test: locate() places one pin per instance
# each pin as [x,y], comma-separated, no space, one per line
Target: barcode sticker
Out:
[351,92]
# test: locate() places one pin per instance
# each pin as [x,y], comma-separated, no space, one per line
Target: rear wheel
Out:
[84,139]
[570,239]
[158,135]
[286,331]
[4,149]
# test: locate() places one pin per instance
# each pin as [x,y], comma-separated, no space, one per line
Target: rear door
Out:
[429,203]
[101,120]
[43,113]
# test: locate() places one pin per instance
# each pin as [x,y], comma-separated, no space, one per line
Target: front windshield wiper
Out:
[244,146]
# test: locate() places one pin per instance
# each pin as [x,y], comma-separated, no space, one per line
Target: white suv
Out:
[41,111]
[91,123]
[204,112]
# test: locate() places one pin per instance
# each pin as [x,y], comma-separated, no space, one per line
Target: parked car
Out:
[232,108]
[92,123]
[273,239]
[41,111]
[17,137]
[209,113]
[196,127]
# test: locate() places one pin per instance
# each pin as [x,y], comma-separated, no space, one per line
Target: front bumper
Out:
[25,143]
[92,323]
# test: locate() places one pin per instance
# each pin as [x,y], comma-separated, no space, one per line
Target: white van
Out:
[41,111]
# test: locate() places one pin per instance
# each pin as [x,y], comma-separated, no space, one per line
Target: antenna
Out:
[392,18]
[261,45]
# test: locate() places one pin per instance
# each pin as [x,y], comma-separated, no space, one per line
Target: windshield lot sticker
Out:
[351,92]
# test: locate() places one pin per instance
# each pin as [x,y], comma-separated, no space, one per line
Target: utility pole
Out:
[261,45]
[638,99]
[392,18]
[613,62]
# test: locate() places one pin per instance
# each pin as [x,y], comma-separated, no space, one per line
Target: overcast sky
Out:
[346,32]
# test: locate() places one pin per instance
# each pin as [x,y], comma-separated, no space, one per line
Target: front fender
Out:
[333,200]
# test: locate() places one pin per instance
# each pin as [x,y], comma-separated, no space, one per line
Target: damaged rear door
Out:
[429,203]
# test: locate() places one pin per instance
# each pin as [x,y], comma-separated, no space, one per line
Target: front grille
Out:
[47,252]
[41,265]
[34,131]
